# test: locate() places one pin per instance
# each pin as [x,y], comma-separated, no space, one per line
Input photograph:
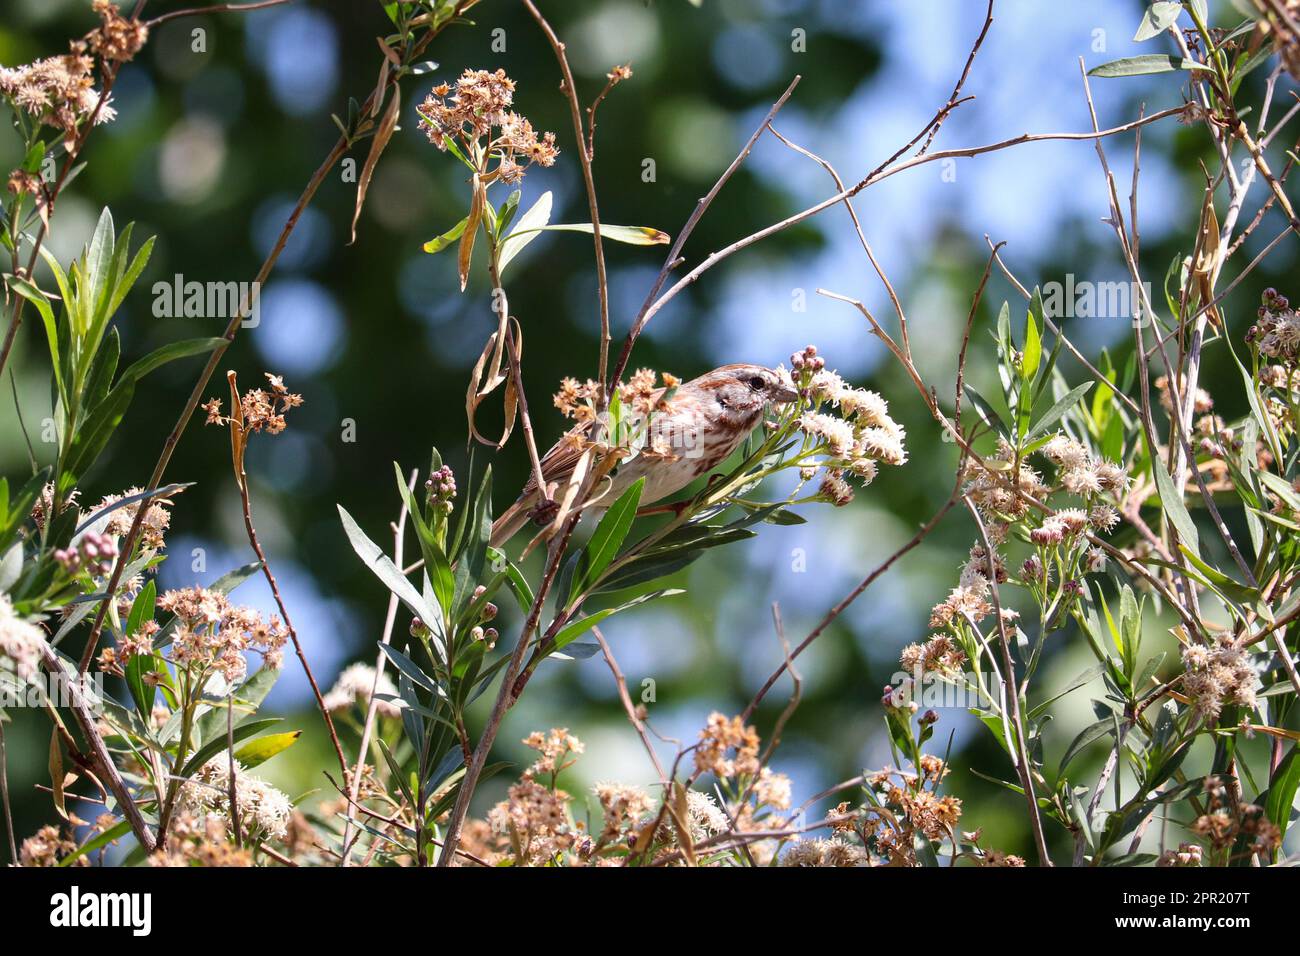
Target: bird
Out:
[706,420]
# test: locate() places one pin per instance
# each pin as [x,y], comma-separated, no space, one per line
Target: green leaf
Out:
[1281,791]
[649,568]
[1172,504]
[1148,63]
[218,742]
[115,832]
[127,278]
[411,669]
[530,225]
[1057,411]
[575,629]
[95,433]
[1157,18]
[38,298]
[435,561]
[383,568]
[1089,735]
[169,353]
[1033,350]
[99,263]
[986,411]
[439,243]
[632,235]
[1282,488]
[99,379]
[264,748]
[610,534]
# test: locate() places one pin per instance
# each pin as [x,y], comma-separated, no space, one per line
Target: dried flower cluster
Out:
[57,91]
[1227,820]
[263,810]
[118,38]
[259,410]
[1277,333]
[471,111]
[211,634]
[202,840]
[999,496]
[47,847]
[1218,675]
[1080,472]
[724,735]
[939,655]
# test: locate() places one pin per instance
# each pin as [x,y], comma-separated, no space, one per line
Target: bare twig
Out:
[99,755]
[288,623]
[674,253]
[4,798]
[633,717]
[584,158]
[848,599]
[215,8]
[1012,692]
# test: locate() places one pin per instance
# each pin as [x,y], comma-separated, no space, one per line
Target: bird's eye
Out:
[757,383]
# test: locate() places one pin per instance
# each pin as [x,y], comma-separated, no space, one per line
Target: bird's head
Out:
[741,391]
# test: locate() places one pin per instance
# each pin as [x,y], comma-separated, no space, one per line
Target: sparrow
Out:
[704,421]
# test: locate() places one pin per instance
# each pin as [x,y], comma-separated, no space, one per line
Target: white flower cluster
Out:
[855,439]
[20,641]
[262,808]
[355,684]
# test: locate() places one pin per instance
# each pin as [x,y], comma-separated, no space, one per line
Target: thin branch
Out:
[848,599]
[871,180]
[99,755]
[633,717]
[215,8]
[674,253]
[584,157]
[4,798]
[505,696]
[1012,691]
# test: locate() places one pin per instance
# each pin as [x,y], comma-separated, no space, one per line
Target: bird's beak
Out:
[782,395]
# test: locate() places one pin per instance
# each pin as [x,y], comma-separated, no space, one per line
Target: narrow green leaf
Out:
[632,235]
[1172,504]
[169,353]
[1147,63]
[574,629]
[610,534]
[218,742]
[264,748]
[1057,411]
[439,243]
[530,224]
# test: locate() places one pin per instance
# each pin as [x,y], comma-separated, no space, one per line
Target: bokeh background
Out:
[210,151]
